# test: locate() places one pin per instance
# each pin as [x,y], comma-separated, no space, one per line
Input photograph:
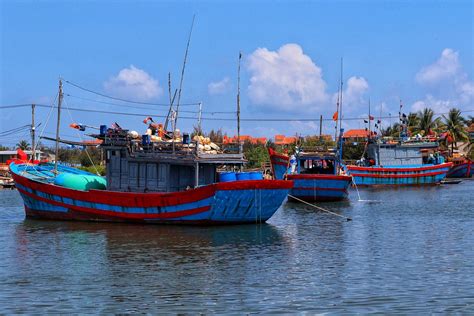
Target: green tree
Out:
[454,124]
[413,122]
[23,145]
[427,123]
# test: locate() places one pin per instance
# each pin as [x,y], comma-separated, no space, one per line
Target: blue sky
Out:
[419,51]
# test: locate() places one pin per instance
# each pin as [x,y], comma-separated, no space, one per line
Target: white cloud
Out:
[285,78]
[448,84]
[353,94]
[438,106]
[466,90]
[133,83]
[219,87]
[306,127]
[447,66]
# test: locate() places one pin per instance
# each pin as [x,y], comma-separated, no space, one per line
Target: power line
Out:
[223,119]
[120,105]
[119,99]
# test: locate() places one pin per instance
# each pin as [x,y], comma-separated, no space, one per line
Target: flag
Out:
[371,117]
[80,127]
[335,116]
[145,121]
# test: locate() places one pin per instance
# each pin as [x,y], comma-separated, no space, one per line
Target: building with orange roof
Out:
[285,140]
[357,135]
[243,139]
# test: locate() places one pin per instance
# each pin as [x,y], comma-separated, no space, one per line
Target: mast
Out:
[370,133]
[182,75]
[33,143]
[341,130]
[60,101]
[165,127]
[238,104]
[340,99]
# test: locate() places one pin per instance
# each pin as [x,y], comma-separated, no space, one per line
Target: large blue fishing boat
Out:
[148,184]
[401,163]
[315,175]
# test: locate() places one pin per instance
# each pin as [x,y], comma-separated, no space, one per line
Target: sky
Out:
[420,52]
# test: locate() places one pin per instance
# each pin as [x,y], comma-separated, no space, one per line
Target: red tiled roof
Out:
[357,133]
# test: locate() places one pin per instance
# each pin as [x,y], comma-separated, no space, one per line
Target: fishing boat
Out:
[315,175]
[149,183]
[150,180]
[400,163]
[462,168]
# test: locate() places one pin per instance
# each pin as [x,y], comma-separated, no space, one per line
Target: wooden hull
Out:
[220,203]
[393,176]
[311,187]
[463,170]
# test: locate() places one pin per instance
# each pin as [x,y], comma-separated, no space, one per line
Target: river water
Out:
[407,250]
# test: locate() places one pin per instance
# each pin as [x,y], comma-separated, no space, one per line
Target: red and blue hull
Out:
[399,175]
[463,170]
[252,201]
[311,187]
[320,187]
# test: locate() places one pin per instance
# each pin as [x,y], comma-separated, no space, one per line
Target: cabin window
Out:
[317,166]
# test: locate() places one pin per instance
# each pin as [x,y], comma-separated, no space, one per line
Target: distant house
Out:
[243,139]
[357,135]
[470,130]
[285,140]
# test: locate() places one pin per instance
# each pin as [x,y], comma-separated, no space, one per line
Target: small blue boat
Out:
[315,175]
[462,168]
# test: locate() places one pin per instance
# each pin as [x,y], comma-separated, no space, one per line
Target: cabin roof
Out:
[14,152]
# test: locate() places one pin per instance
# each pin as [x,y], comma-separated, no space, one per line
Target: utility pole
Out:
[33,143]
[199,116]
[320,127]
[60,101]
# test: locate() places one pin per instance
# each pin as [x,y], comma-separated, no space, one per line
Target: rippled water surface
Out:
[406,251]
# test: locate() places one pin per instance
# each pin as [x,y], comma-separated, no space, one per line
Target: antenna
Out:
[182,75]
[33,144]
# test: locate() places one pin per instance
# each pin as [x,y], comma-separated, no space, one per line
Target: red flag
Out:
[335,116]
[371,117]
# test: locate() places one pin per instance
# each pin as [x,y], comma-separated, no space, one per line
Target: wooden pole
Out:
[60,100]
[33,142]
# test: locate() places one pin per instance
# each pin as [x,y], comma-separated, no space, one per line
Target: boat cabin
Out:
[316,163]
[134,165]
[389,154]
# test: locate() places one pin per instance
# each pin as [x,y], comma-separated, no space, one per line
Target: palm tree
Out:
[23,145]
[413,122]
[391,131]
[427,123]
[454,125]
